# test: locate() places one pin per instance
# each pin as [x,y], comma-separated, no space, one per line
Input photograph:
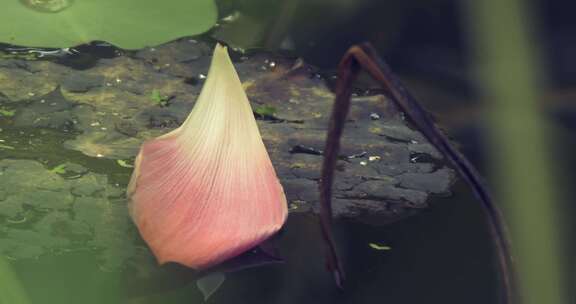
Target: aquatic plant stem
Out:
[364,56]
[505,51]
[347,72]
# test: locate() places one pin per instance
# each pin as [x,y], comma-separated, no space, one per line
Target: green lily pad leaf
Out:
[129,24]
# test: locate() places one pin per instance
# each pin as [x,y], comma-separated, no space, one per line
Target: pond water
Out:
[441,255]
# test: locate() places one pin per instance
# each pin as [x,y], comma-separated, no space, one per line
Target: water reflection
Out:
[48,6]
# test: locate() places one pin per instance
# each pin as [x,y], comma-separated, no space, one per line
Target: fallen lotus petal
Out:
[207,191]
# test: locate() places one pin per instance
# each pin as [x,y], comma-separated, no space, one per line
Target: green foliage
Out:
[60,169]
[158,98]
[129,24]
[7,113]
[265,110]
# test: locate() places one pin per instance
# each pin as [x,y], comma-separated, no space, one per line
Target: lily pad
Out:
[129,24]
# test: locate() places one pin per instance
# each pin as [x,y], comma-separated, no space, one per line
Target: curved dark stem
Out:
[366,57]
[348,70]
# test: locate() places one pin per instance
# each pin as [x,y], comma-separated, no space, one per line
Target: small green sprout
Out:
[123,163]
[380,247]
[7,113]
[265,110]
[60,169]
[158,98]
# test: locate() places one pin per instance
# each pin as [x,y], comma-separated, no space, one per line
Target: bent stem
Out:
[364,56]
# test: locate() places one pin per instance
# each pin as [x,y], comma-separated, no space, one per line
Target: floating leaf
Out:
[129,24]
[207,191]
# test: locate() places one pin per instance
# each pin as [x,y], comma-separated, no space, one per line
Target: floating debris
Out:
[374,158]
[380,247]
[123,163]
